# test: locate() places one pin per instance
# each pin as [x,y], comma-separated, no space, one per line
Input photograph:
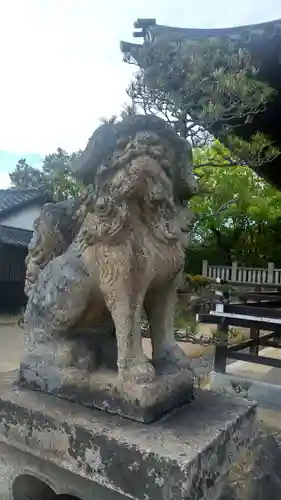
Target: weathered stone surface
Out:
[256,475]
[53,232]
[104,390]
[88,285]
[182,456]
[106,140]
[27,477]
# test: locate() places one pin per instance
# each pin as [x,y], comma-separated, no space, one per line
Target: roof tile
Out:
[15,236]
[11,199]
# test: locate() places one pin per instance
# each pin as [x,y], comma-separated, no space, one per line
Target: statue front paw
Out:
[171,357]
[139,372]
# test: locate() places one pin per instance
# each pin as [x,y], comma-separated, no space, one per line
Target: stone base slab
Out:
[144,402]
[183,456]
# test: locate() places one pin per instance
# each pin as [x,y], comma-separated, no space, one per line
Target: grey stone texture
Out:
[24,476]
[142,402]
[256,475]
[97,262]
[184,455]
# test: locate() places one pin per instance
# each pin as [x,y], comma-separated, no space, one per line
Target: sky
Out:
[62,68]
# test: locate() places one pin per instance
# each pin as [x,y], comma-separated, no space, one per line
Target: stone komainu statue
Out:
[96,262]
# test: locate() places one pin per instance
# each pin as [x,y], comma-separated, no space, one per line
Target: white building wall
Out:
[23,218]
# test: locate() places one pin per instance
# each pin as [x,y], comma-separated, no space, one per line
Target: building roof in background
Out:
[14,199]
[264,44]
[15,236]
[150,29]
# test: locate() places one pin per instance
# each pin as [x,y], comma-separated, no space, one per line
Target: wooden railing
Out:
[248,275]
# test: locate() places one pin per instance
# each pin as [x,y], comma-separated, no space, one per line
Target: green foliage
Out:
[209,85]
[206,85]
[258,150]
[24,176]
[56,169]
[237,212]
[127,110]
[195,283]
[112,120]
[54,175]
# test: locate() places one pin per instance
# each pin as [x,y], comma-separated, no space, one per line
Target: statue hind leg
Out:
[55,305]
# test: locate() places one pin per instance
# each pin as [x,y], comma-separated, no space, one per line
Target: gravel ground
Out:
[11,345]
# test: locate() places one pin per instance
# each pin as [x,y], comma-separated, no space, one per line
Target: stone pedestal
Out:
[103,390]
[267,395]
[69,449]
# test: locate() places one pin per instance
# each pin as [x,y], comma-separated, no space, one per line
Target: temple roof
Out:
[13,199]
[264,43]
[15,236]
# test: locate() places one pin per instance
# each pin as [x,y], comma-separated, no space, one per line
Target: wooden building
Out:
[18,210]
[263,42]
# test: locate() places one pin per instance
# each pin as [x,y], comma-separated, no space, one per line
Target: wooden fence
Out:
[245,275]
